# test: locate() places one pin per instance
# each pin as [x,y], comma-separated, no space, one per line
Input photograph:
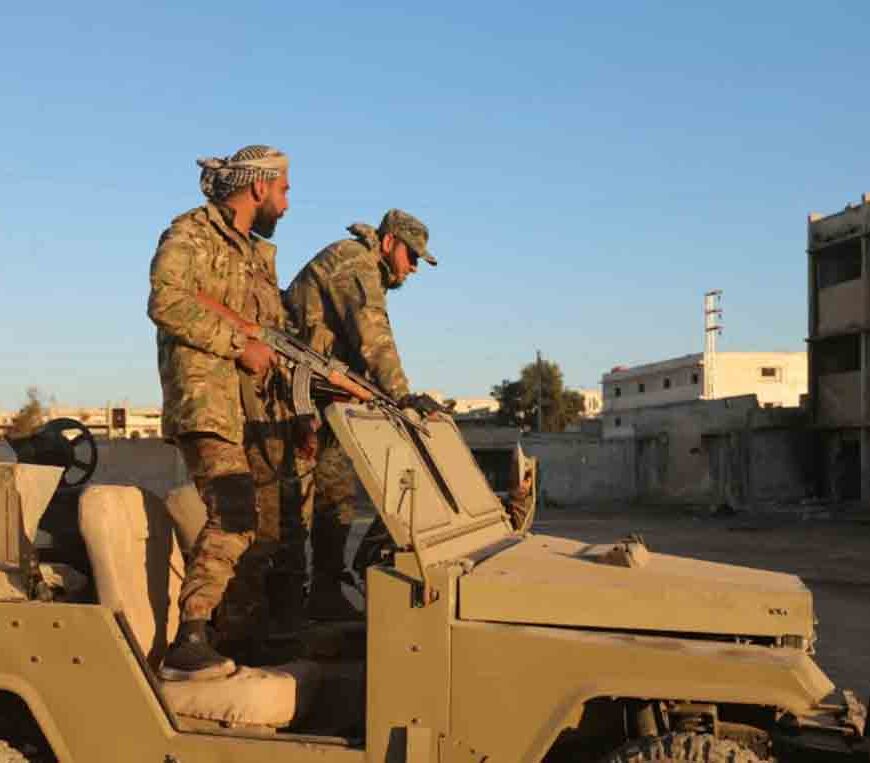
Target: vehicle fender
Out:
[516,687]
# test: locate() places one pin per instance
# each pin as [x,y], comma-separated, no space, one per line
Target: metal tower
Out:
[712,329]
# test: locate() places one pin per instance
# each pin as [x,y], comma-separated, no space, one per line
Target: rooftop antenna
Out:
[712,329]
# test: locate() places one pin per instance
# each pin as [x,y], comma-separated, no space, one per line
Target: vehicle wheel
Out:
[8,754]
[682,748]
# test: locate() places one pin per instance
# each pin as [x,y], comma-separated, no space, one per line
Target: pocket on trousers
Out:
[234,502]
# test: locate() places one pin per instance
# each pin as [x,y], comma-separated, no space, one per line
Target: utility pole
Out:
[540,393]
[712,329]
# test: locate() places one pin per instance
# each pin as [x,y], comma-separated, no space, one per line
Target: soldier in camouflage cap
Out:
[338,305]
[222,392]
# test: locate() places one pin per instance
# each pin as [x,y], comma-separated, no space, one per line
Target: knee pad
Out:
[234,502]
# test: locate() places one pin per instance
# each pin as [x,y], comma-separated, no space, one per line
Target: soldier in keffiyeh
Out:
[215,395]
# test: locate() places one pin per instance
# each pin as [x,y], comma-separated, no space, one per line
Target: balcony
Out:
[841,308]
[839,400]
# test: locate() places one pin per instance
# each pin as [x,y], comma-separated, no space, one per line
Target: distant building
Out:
[476,405]
[593,402]
[839,349]
[778,379]
[109,421]
[481,409]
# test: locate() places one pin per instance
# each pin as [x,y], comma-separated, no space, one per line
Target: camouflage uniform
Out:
[338,305]
[222,419]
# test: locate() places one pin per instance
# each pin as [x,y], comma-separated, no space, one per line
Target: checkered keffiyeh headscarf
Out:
[221,176]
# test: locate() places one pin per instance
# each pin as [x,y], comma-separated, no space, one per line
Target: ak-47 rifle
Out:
[309,364]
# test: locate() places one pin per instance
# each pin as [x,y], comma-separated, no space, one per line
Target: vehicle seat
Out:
[188,513]
[138,570]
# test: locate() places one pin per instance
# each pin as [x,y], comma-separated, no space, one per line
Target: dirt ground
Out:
[829,550]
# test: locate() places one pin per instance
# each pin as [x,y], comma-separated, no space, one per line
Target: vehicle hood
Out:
[547,580]
[427,488]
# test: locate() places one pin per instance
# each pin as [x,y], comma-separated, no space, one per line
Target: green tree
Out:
[510,408]
[30,416]
[518,400]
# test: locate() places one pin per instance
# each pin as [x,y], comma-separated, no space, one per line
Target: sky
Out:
[587,171]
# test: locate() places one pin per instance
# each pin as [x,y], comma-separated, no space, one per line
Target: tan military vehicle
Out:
[481,644]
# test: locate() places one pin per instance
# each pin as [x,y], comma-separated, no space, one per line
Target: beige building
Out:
[110,421]
[777,379]
[593,403]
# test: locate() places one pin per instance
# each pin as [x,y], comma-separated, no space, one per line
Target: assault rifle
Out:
[307,364]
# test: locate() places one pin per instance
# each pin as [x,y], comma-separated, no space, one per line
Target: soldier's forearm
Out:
[179,315]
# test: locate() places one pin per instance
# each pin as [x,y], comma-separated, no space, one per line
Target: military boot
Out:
[327,602]
[286,595]
[328,539]
[192,658]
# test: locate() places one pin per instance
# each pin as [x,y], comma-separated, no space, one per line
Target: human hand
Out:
[424,404]
[305,439]
[257,357]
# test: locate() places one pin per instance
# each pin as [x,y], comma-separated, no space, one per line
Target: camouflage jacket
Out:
[196,348]
[338,304]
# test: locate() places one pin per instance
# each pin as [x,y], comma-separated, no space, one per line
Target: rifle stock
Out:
[252,330]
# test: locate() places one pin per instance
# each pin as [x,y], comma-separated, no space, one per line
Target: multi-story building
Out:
[839,349]
[775,378]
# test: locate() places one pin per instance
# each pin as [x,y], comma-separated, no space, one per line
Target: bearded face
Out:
[266,219]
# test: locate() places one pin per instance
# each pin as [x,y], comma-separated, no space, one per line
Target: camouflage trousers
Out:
[249,564]
[251,514]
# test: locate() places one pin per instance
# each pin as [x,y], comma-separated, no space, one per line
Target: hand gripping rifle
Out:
[307,364]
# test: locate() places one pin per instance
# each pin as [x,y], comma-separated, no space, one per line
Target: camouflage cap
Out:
[409,230]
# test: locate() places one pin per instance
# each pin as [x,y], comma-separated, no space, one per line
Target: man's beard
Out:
[265,221]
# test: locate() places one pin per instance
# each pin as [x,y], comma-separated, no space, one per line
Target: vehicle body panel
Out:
[514,687]
[74,668]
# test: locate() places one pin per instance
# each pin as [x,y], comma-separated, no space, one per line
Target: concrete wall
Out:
[703,452]
[722,451]
[149,463]
[575,469]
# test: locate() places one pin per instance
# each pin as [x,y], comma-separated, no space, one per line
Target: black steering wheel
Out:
[70,444]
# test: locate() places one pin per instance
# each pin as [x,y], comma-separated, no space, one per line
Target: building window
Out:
[641,388]
[617,391]
[840,262]
[770,373]
[696,377]
[617,422]
[666,383]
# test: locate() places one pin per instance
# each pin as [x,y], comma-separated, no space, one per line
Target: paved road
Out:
[831,556]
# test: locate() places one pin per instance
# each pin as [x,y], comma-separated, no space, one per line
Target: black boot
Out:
[192,658]
[285,591]
[327,602]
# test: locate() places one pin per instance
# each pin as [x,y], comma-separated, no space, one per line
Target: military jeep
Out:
[480,643]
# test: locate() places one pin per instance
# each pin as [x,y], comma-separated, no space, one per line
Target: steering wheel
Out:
[75,449]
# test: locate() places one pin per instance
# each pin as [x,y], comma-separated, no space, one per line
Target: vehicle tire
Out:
[682,748]
[8,754]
